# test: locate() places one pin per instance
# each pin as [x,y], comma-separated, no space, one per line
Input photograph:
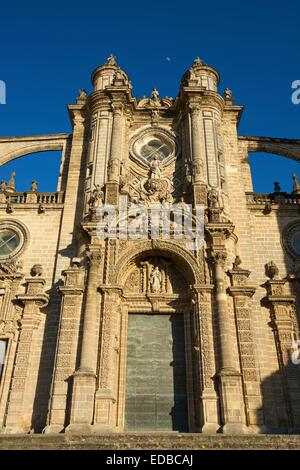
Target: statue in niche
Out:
[155,280]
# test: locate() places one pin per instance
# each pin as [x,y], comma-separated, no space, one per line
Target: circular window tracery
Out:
[13,238]
[291,239]
[154,144]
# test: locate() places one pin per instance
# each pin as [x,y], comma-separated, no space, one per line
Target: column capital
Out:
[117,108]
[219,256]
[94,255]
[194,109]
[217,231]
[111,289]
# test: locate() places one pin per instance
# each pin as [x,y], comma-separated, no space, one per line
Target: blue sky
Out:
[49,49]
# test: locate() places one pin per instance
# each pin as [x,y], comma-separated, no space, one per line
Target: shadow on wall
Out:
[281,401]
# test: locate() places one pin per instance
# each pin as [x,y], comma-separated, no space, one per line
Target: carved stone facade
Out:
[111,317]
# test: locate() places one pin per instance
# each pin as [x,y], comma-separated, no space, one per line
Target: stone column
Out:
[112,186]
[242,294]
[199,186]
[84,378]
[283,322]
[106,395]
[33,300]
[67,344]
[229,378]
[208,420]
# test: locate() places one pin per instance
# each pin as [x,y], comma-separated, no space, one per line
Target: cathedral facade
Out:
[154,290]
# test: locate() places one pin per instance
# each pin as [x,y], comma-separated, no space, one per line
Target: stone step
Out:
[147,441]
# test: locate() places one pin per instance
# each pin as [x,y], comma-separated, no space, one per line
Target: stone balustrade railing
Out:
[31,197]
[272,198]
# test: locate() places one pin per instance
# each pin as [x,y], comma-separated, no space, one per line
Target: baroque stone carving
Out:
[155,280]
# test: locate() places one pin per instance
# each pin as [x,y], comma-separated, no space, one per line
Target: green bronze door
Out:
[156,374]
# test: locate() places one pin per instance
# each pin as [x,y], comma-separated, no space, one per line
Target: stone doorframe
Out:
[155,304]
[196,305]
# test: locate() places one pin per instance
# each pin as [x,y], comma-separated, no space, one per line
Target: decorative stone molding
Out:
[242,294]
[33,300]
[67,344]
[203,353]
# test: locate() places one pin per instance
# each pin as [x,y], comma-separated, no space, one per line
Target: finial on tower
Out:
[197,62]
[111,60]
[11,183]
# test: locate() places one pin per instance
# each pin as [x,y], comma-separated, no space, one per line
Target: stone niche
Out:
[155,275]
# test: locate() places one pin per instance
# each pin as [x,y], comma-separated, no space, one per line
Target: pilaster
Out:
[33,300]
[107,387]
[65,364]
[242,295]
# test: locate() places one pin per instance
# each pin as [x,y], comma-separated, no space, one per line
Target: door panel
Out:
[155,374]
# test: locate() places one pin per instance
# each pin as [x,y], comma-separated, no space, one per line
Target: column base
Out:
[79,429]
[232,402]
[234,428]
[209,411]
[14,430]
[83,397]
[104,410]
[210,428]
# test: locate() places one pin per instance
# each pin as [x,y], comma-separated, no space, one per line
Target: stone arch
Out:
[36,148]
[285,149]
[183,259]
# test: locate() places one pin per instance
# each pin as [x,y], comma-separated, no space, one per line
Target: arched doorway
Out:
[157,390]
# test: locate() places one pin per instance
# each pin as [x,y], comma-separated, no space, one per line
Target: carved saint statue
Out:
[228,94]
[111,60]
[296,185]
[155,280]
[11,182]
[155,169]
[96,199]
[34,186]
[155,101]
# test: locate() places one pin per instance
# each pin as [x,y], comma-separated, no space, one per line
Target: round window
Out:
[150,144]
[9,242]
[291,239]
[295,242]
[13,238]
[155,148]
